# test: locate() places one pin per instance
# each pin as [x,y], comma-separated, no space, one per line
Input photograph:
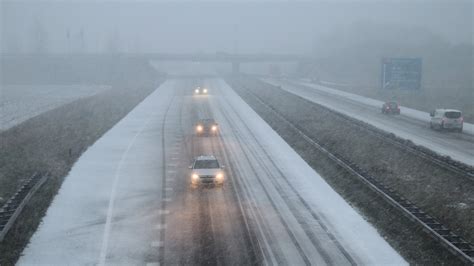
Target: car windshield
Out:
[207,121]
[393,104]
[206,164]
[453,115]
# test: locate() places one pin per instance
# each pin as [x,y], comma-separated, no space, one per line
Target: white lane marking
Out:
[167,199]
[171,171]
[169,189]
[105,237]
[156,244]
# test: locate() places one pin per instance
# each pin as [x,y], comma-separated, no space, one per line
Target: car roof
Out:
[206,120]
[205,158]
[448,110]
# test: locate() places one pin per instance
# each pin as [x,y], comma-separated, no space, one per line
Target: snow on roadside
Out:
[106,206]
[357,235]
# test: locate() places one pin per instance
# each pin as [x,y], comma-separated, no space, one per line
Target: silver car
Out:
[446,119]
[206,169]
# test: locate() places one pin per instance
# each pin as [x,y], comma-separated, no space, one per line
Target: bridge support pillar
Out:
[235,67]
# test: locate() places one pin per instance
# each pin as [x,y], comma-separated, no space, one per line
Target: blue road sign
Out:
[401,73]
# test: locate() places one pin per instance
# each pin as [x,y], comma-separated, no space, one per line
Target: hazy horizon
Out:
[247,27]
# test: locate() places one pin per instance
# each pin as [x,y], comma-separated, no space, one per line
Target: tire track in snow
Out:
[296,211]
[267,193]
[303,202]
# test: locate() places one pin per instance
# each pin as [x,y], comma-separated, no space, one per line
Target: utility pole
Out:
[68,41]
[82,43]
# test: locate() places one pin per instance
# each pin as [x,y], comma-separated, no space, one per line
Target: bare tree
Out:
[39,38]
[113,42]
[81,41]
[68,40]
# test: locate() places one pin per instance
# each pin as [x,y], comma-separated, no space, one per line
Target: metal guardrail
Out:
[13,207]
[454,243]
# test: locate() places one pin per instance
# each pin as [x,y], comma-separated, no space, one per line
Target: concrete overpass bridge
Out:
[234,59]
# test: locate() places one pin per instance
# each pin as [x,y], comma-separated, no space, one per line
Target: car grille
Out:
[207,179]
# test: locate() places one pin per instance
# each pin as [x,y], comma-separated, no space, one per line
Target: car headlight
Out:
[196,91]
[195,176]
[214,128]
[205,90]
[199,128]
[220,176]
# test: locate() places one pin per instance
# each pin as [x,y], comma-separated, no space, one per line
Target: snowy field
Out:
[128,199]
[21,102]
[411,124]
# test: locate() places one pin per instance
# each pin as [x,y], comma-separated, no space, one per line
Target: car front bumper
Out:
[207,180]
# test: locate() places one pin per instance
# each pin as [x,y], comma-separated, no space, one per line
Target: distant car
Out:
[391,108]
[200,91]
[206,169]
[207,127]
[446,119]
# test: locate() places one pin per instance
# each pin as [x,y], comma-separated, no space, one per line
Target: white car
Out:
[206,169]
[446,119]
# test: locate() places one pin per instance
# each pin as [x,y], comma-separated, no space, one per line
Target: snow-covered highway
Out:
[410,125]
[128,200]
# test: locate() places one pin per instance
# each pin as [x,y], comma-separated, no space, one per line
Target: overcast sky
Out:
[252,26]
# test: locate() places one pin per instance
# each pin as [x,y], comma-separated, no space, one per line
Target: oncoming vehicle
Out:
[206,127]
[200,91]
[391,108]
[206,169]
[446,119]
